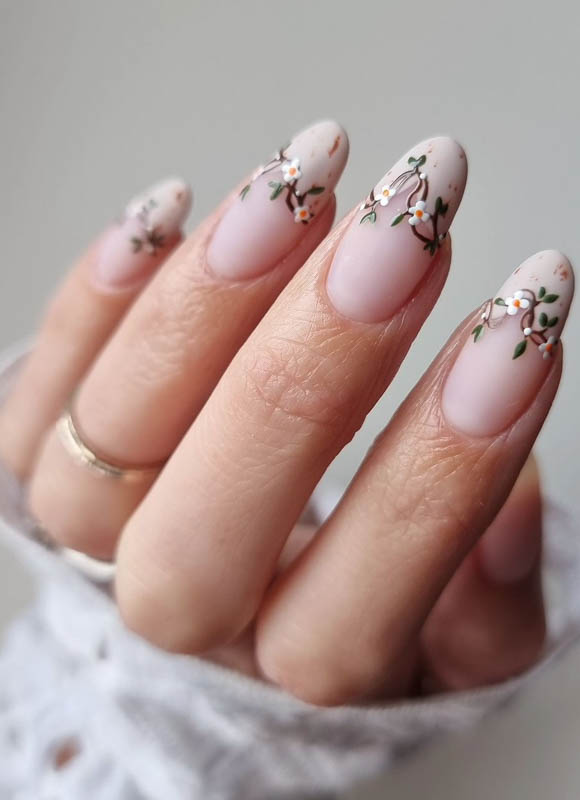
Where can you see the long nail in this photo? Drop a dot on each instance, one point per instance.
(394, 238)
(150, 228)
(511, 348)
(272, 211)
(511, 547)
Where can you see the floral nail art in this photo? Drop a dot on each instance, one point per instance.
(155, 216)
(151, 239)
(535, 325)
(416, 211)
(286, 185)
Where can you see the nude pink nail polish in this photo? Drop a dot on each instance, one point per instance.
(512, 545)
(391, 243)
(131, 251)
(273, 210)
(511, 348)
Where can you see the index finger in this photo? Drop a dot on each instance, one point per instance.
(342, 617)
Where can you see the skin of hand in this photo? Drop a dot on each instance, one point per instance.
(230, 367)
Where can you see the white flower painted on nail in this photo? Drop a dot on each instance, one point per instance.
(419, 213)
(385, 195)
(302, 214)
(546, 348)
(517, 303)
(291, 170)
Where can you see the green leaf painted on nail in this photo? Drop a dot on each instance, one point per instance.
(441, 207)
(136, 244)
(520, 349)
(315, 190)
(397, 219)
(370, 217)
(499, 301)
(431, 246)
(543, 319)
(245, 191)
(477, 332)
(415, 163)
(277, 189)
(550, 298)
(553, 321)
(541, 292)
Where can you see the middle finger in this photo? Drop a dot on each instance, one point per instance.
(158, 370)
(197, 555)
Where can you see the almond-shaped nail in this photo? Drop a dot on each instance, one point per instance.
(511, 348)
(272, 211)
(511, 548)
(397, 231)
(130, 251)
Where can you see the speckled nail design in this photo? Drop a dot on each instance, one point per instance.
(273, 210)
(393, 240)
(506, 359)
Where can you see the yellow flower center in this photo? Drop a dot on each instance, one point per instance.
(418, 213)
(292, 171)
(549, 346)
(386, 192)
(517, 303)
(302, 213)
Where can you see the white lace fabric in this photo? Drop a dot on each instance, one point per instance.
(89, 711)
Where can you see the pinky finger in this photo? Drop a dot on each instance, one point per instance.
(489, 623)
(84, 312)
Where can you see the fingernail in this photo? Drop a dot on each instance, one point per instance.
(511, 547)
(511, 348)
(273, 210)
(397, 231)
(151, 226)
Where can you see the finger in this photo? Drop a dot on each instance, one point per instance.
(290, 400)
(158, 370)
(355, 601)
(489, 623)
(84, 312)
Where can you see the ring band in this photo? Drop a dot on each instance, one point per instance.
(84, 455)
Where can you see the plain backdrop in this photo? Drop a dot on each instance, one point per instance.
(99, 99)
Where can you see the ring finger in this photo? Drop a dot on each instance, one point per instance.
(179, 336)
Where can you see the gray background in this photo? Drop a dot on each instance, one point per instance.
(99, 99)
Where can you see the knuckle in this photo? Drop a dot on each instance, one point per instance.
(296, 385)
(432, 477)
(173, 324)
(164, 332)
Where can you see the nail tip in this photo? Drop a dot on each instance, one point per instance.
(550, 266)
(333, 139)
(168, 200)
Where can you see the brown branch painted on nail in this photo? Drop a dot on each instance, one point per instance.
(422, 186)
(152, 238)
(538, 335)
(293, 198)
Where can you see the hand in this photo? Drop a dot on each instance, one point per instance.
(225, 386)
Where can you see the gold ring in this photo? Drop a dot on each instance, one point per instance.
(87, 457)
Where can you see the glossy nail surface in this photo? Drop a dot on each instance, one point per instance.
(130, 251)
(270, 215)
(393, 239)
(511, 348)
